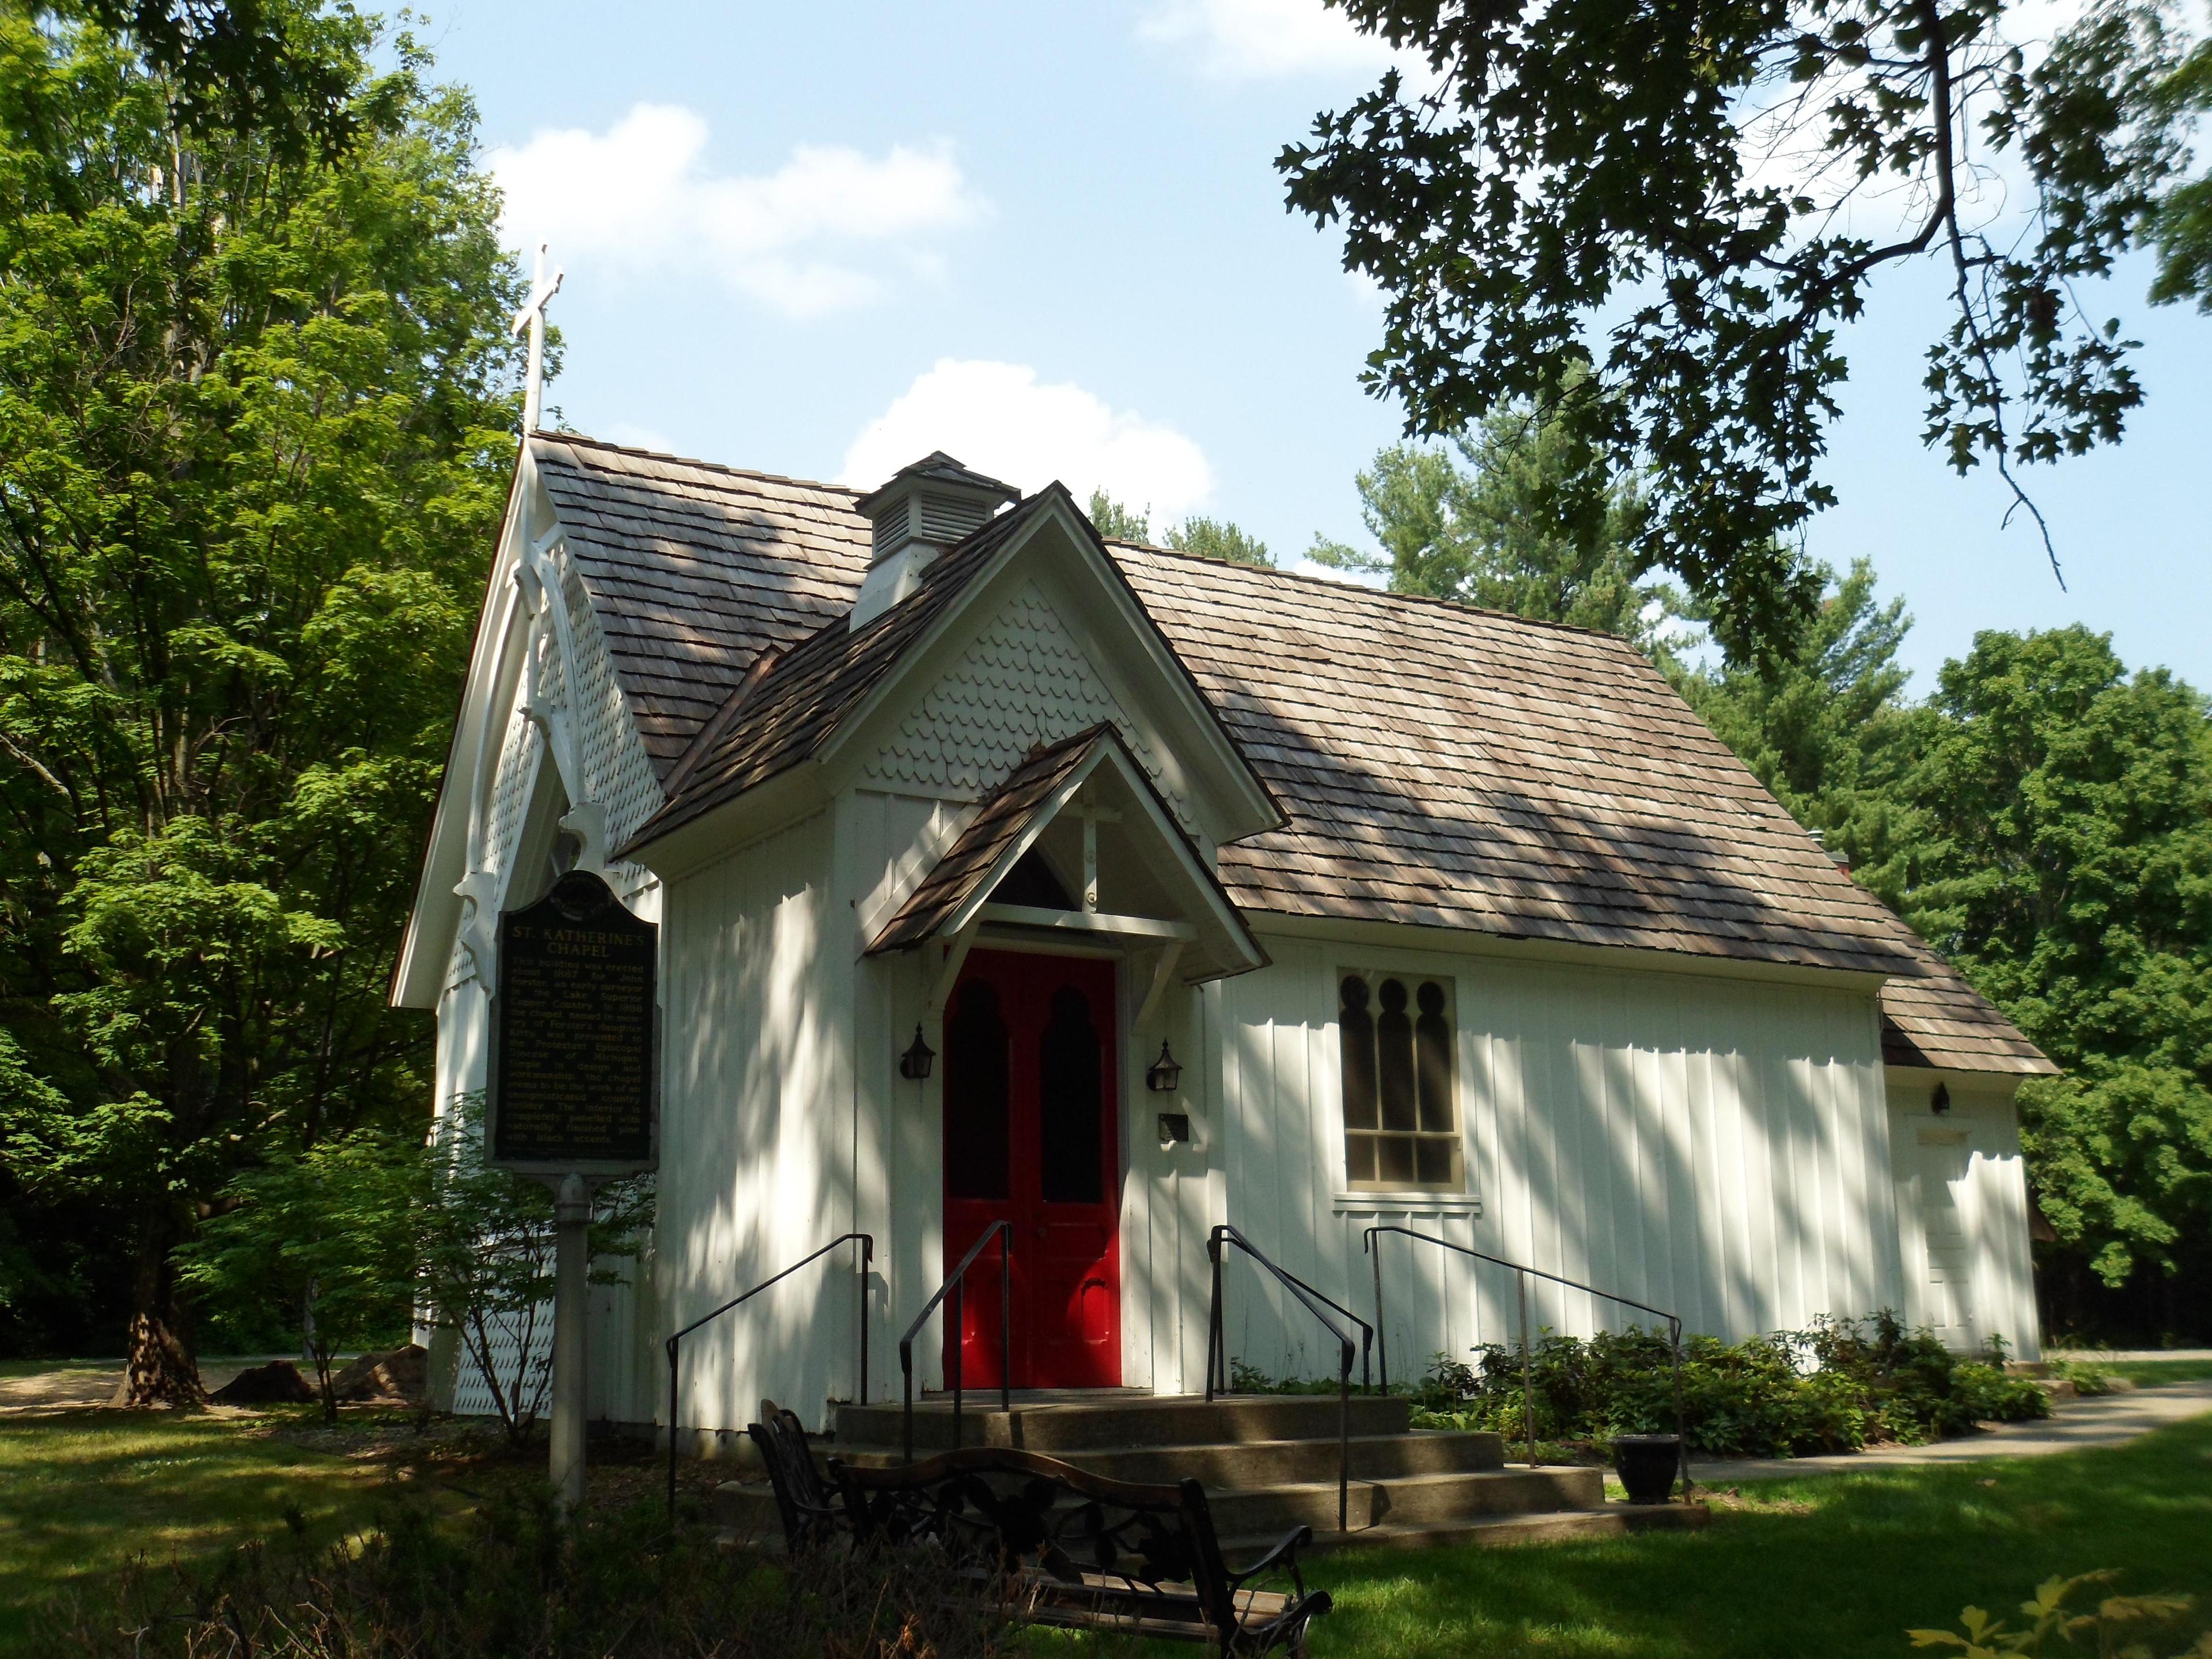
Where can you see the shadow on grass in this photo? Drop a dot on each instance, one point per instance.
(80, 1493)
(1837, 1565)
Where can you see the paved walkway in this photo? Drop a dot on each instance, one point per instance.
(2104, 1419)
(75, 1385)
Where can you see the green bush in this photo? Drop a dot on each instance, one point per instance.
(1833, 1387)
(2086, 1376)
(2117, 1628)
(512, 1583)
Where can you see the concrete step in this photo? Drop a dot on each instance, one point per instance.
(1489, 1531)
(1415, 1500)
(1259, 1463)
(1060, 1426)
(1253, 1462)
(1506, 1506)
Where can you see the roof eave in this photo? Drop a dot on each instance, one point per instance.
(418, 970)
(715, 831)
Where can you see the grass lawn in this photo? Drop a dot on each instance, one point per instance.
(82, 1492)
(2149, 1373)
(1836, 1566)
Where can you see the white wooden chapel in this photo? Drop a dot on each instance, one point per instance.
(1448, 918)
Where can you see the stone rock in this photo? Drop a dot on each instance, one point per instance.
(276, 1383)
(401, 1378)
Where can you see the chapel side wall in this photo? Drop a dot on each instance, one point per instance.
(755, 1131)
(2002, 1284)
(1715, 1146)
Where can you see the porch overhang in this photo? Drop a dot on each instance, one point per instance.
(1188, 907)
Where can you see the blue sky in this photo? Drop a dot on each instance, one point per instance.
(820, 240)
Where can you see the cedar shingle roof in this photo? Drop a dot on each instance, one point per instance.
(695, 570)
(1933, 1017)
(1546, 781)
(1438, 765)
(798, 700)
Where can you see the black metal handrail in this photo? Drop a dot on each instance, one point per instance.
(1217, 1349)
(956, 1282)
(1370, 1247)
(867, 1244)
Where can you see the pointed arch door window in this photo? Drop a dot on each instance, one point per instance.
(1395, 1034)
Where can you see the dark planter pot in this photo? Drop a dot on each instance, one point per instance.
(1647, 1465)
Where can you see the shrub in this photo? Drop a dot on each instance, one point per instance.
(1833, 1387)
(515, 1585)
(2117, 1627)
(2086, 1376)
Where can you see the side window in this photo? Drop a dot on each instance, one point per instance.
(1401, 1102)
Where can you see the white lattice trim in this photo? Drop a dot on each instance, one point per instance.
(617, 772)
(472, 1395)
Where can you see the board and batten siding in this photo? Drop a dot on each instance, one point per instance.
(1716, 1146)
(755, 1148)
(1988, 1202)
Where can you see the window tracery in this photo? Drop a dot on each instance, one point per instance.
(1401, 1104)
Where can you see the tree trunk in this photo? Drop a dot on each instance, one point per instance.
(161, 1369)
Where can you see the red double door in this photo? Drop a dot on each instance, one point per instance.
(1031, 1137)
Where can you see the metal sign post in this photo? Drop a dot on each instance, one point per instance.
(572, 1248)
(574, 1096)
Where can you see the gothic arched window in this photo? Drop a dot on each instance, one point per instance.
(1401, 1104)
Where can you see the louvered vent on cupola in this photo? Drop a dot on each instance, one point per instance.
(890, 528)
(924, 509)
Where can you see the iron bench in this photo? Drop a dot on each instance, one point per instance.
(1055, 1544)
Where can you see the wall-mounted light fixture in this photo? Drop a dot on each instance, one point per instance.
(1163, 1076)
(913, 1064)
(1940, 1102)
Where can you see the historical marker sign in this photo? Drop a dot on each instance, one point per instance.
(574, 1074)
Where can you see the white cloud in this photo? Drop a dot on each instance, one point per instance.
(825, 232)
(997, 418)
(1257, 39)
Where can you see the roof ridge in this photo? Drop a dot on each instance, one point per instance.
(710, 734)
(586, 438)
(1331, 584)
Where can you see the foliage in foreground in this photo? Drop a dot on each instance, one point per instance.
(511, 1585)
(2054, 1627)
(1682, 199)
(1834, 1387)
(364, 1230)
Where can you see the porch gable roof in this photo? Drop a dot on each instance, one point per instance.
(953, 892)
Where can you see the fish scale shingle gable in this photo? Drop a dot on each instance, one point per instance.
(1437, 765)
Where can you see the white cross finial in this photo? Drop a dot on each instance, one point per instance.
(532, 318)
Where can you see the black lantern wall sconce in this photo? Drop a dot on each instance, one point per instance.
(1940, 1102)
(914, 1063)
(1163, 1076)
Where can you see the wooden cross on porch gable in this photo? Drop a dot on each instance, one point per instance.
(532, 318)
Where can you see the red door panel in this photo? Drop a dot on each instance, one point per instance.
(1031, 1137)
